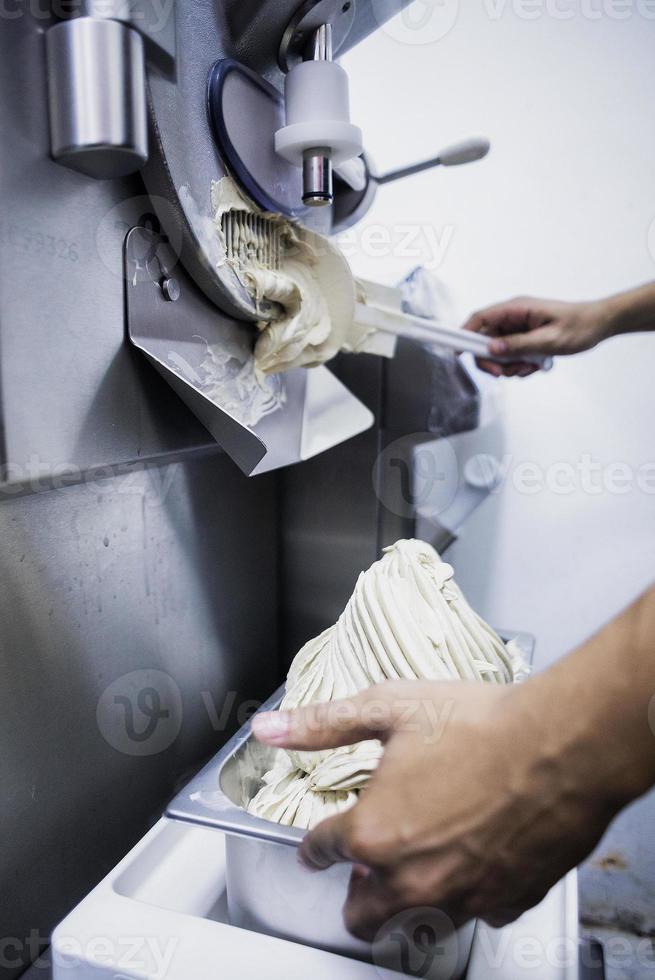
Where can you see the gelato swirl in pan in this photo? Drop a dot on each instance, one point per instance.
(406, 619)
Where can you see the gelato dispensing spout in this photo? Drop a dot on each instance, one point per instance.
(316, 166)
(318, 134)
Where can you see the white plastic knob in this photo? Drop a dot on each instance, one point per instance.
(466, 151)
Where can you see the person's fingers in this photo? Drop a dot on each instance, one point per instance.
(527, 370)
(521, 369)
(542, 340)
(371, 714)
(499, 917)
(370, 903)
(489, 367)
(360, 835)
(376, 898)
(516, 901)
(318, 726)
(511, 370)
(328, 843)
(505, 317)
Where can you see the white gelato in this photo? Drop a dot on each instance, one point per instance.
(302, 275)
(406, 619)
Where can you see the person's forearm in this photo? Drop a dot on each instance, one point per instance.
(632, 311)
(597, 703)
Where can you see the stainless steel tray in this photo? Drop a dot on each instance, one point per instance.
(268, 889)
(216, 797)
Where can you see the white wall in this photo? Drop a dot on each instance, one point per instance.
(562, 207)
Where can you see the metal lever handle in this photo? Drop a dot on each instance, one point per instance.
(466, 151)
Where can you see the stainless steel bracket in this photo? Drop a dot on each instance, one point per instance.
(207, 359)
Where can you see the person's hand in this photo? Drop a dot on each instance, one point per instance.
(526, 326)
(474, 809)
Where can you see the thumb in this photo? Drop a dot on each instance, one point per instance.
(370, 714)
(542, 340)
(328, 843)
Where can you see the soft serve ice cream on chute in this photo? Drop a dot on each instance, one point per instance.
(406, 619)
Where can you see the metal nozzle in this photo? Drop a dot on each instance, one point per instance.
(317, 190)
(317, 177)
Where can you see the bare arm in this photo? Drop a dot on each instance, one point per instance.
(486, 795)
(536, 326)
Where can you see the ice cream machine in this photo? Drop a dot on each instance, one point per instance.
(163, 167)
(237, 118)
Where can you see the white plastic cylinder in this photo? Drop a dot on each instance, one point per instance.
(318, 114)
(317, 90)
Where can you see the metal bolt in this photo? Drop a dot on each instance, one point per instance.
(317, 178)
(170, 288)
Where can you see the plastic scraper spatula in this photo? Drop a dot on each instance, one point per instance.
(379, 320)
(368, 317)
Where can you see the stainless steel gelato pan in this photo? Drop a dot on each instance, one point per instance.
(271, 892)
